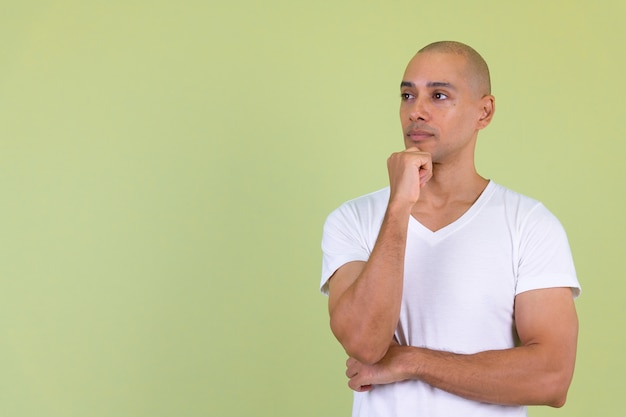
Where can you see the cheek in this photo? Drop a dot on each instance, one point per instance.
(405, 119)
(462, 120)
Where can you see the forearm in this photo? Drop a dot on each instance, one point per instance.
(539, 371)
(526, 375)
(364, 304)
(365, 316)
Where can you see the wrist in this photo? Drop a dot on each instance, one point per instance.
(399, 208)
(409, 363)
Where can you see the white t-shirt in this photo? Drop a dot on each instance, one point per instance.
(460, 285)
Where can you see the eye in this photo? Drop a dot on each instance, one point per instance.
(406, 96)
(440, 96)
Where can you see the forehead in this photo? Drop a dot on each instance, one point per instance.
(427, 68)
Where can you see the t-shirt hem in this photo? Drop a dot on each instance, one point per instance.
(539, 283)
(338, 263)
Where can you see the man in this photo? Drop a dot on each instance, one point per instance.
(452, 295)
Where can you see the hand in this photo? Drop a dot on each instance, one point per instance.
(363, 377)
(408, 170)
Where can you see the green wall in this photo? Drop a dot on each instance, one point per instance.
(166, 167)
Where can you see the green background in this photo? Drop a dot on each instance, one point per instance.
(166, 168)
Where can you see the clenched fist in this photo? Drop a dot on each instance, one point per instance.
(408, 170)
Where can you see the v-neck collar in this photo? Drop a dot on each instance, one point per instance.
(440, 234)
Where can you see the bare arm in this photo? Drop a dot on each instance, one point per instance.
(537, 372)
(364, 297)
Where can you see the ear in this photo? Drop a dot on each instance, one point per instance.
(488, 108)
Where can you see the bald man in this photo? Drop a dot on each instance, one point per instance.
(451, 294)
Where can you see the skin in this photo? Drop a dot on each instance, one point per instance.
(434, 179)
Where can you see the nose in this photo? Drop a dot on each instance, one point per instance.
(419, 110)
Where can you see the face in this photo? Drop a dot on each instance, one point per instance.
(440, 111)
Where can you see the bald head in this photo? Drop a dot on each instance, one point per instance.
(476, 67)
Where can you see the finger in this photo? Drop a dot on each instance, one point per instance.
(352, 368)
(426, 172)
(355, 386)
(425, 175)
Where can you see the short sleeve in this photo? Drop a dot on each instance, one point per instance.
(342, 242)
(545, 258)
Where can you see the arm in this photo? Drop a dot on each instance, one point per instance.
(539, 371)
(364, 297)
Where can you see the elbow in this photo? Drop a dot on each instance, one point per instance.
(557, 400)
(551, 381)
(366, 354)
(556, 391)
(559, 396)
(362, 346)
(558, 403)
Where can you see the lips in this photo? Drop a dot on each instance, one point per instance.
(419, 134)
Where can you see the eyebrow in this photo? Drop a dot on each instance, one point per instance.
(430, 84)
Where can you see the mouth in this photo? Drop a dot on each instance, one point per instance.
(419, 134)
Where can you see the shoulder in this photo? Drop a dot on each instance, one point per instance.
(367, 207)
(519, 207)
(513, 198)
(359, 218)
(532, 224)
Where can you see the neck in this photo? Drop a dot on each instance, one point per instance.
(446, 196)
(453, 182)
